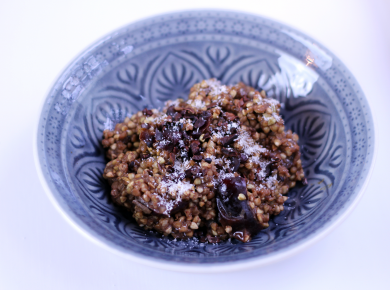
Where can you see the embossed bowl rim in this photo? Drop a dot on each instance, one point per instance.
(194, 268)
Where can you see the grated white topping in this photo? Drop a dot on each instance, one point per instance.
(273, 103)
(196, 104)
(223, 175)
(172, 103)
(157, 120)
(271, 181)
(185, 121)
(216, 87)
(225, 163)
(249, 145)
(232, 125)
(175, 191)
(181, 167)
(263, 165)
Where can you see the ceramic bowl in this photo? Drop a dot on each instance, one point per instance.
(146, 63)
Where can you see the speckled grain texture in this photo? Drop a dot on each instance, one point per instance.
(214, 167)
(143, 65)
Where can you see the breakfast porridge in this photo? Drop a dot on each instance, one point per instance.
(216, 166)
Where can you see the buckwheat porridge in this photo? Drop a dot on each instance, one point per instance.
(214, 167)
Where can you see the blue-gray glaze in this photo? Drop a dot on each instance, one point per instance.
(149, 62)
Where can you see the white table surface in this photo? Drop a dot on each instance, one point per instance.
(40, 250)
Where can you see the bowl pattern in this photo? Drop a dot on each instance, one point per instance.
(151, 61)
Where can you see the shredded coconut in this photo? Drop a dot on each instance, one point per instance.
(262, 164)
(216, 87)
(249, 145)
(217, 161)
(224, 175)
(226, 163)
(220, 132)
(271, 181)
(232, 125)
(267, 117)
(196, 103)
(181, 167)
(159, 119)
(273, 104)
(175, 190)
(162, 143)
(217, 134)
(185, 121)
(171, 103)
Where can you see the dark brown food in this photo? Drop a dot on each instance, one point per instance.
(214, 167)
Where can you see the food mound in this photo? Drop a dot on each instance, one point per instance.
(214, 167)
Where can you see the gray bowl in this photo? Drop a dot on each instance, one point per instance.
(151, 61)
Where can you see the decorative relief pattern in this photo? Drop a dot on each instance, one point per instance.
(171, 76)
(131, 76)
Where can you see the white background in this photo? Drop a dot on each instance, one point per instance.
(40, 250)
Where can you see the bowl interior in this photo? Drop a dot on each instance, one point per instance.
(155, 60)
